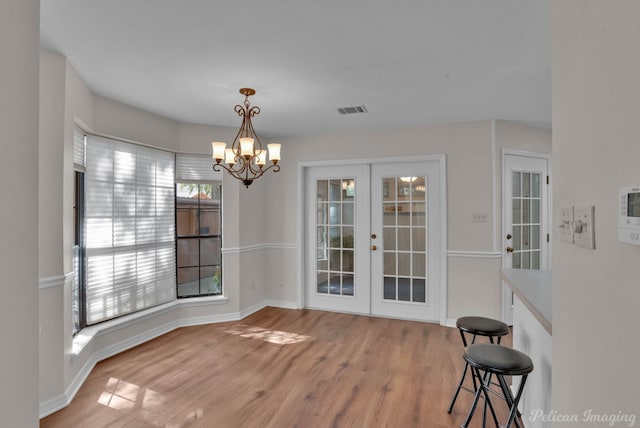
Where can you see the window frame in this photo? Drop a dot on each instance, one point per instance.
(199, 236)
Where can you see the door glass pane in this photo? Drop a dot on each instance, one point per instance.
(535, 260)
(322, 282)
(525, 260)
(526, 184)
(516, 216)
(516, 260)
(335, 190)
(389, 238)
(389, 214)
(335, 213)
(388, 189)
(404, 289)
(389, 288)
(404, 238)
(335, 230)
(404, 264)
(535, 237)
(526, 238)
(516, 238)
(347, 213)
(389, 263)
(526, 220)
(419, 290)
(321, 243)
(417, 214)
(322, 190)
(419, 263)
(419, 235)
(347, 236)
(418, 189)
(515, 184)
(347, 261)
(535, 185)
(535, 211)
(347, 284)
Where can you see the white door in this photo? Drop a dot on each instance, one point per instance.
(406, 225)
(373, 239)
(525, 237)
(337, 238)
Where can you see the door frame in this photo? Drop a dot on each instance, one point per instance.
(301, 214)
(505, 290)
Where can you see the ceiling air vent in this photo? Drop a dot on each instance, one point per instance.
(352, 110)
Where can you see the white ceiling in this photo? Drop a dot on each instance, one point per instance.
(410, 62)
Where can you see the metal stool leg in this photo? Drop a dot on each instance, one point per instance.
(516, 400)
(506, 392)
(483, 389)
(473, 408)
(464, 372)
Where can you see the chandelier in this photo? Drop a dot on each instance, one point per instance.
(246, 159)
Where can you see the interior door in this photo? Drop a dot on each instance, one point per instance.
(405, 240)
(373, 239)
(525, 214)
(337, 238)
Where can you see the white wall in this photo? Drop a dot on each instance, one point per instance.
(596, 150)
(19, 53)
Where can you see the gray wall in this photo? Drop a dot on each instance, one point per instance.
(596, 150)
(19, 53)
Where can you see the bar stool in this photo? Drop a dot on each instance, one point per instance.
(488, 359)
(476, 326)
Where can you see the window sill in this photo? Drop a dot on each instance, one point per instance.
(87, 334)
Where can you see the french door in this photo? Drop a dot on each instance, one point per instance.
(373, 239)
(525, 214)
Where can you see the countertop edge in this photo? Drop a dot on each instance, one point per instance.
(546, 324)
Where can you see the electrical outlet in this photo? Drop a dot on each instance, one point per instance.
(566, 225)
(584, 226)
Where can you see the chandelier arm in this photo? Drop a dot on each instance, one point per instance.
(260, 172)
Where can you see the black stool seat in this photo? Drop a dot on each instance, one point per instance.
(482, 326)
(476, 326)
(498, 359)
(487, 360)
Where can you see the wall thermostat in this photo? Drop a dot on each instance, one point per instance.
(629, 215)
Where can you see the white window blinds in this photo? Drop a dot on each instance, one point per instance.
(196, 168)
(129, 228)
(78, 148)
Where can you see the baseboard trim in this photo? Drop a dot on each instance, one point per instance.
(450, 322)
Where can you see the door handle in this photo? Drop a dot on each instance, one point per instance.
(373, 247)
(509, 249)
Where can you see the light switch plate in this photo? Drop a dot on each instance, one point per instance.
(566, 225)
(584, 226)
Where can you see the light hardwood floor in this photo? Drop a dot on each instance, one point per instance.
(280, 368)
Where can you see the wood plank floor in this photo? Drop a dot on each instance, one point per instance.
(280, 368)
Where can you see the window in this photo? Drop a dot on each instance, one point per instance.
(198, 227)
(199, 238)
(77, 286)
(129, 228)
